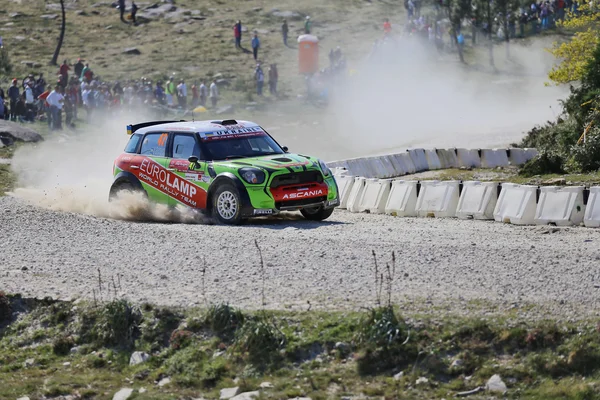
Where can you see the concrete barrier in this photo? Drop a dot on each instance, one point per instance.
(385, 168)
(396, 164)
(339, 171)
(433, 161)
(353, 204)
(344, 184)
(530, 153)
(448, 158)
(438, 199)
(492, 158)
(516, 204)
(517, 156)
(407, 163)
(477, 200)
(561, 206)
(402, 199)
(468, 158)
(592, 210)
(419, 160)
(375, 195)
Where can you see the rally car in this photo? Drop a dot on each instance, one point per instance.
(230, 169)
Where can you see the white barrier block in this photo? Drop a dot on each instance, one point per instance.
(591, 218)
(437, 199)
(433, 161)
(358, 167)
(344, 184)
(468, 158)
(402, 199)
(477, 200)
(448, 158)
(385, 168)
(517, 156)
(407, 164)
(375, 195)
(419, 160)
(353, 204)
(396, 165)
(492, 158)
(516, 204)
(561, 206)
(339, 171)
(530, 153)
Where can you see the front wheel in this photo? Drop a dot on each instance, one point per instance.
(316, 213)
(227, 205)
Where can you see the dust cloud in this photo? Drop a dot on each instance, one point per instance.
(407, 95)
(73, 173)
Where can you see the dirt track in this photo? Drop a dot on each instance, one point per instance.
(46, 253)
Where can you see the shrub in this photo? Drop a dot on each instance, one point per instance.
(62, 345)
(5, 308)
(544, 163)
(190, 367)
(180, 339)
(260, 339)
(586, 156)
(119, 324)
(381, 328)
(224, 320)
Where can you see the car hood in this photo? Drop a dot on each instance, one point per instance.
(276, 162)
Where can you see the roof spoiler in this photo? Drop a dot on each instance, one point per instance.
(132, 128)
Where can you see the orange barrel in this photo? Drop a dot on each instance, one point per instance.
(308, 54)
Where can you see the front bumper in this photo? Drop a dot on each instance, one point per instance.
(257, 212)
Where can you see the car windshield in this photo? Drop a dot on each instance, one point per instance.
(241, 146)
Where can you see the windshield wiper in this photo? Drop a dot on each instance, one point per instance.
(232, 157)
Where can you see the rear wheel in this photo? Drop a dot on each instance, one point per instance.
(122, 187)
(316, 213)
(227, 205)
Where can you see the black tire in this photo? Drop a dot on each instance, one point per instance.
(227, 205)
(115, 189)
(316, 214)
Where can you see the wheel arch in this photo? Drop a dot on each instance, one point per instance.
(227, 178)
(129, 178)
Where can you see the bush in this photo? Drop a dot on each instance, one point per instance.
(544, 163)
(62, 345)
(586, 156)
(119, 324)
(5, 308)
(260, 339)
(381, 328)
(180, 339)
(224, 320)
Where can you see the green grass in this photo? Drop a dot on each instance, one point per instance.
(7, 179)
(537, 360)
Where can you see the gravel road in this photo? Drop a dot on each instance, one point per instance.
(443, 263)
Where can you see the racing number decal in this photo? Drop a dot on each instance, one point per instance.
(162, 140)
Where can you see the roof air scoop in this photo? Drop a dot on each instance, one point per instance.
(229, 122)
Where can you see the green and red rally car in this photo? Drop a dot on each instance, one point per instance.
(230, 169)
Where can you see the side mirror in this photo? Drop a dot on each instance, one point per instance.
(285, 149)
(193, 159)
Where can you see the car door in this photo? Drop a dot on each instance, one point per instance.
(150, 165)
(190, 182)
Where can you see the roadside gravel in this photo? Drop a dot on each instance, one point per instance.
(446, 264)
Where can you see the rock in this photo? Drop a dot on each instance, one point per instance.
(457, 363)
(421, 381)
(225, 109)
(29, 362)
(132, 50)
(16, 132)
(399, 375)
(49, 16)
(66, 364)
(228, 393)
(293, 15)
(19, 38)
(266, 385)
(164, 381)
(342, 347)
(24, 268)
(246, 396)
(15, 15)
(138, 357)
(123, 394)
(495, 384)
(75, 350)
(81, 13)
(142, 390)
(56, 6)
(23, 398)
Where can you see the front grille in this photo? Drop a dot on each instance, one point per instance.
(300, 203)
(297, 178)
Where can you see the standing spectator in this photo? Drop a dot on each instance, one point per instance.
(20, 109)
(255, 45)
(387, 27)
(273, 78)
(203, 94)
(195, 94)
(2, 109)
(13, 95)
(307, 25)
(260, 79)
(69, 108)
(159, 93)
(284, 31)
(64, 73)
(40, 86)
(170, 91)
(122, 10)
(134, 9)
(55, 101)
(78, 68)
(214, 93)
(237, 34)
(182, 94)
(29, 102)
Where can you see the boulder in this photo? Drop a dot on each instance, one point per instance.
(31, 64)
(14, 132)
(49, 16)
(247, 396)
(495, 384)
(164, 381)
(228, 393)
(138, 357)
(132, 50)
(292, 15)
(123, 394)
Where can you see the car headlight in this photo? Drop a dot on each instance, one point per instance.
(253, 176)
(324, 168)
